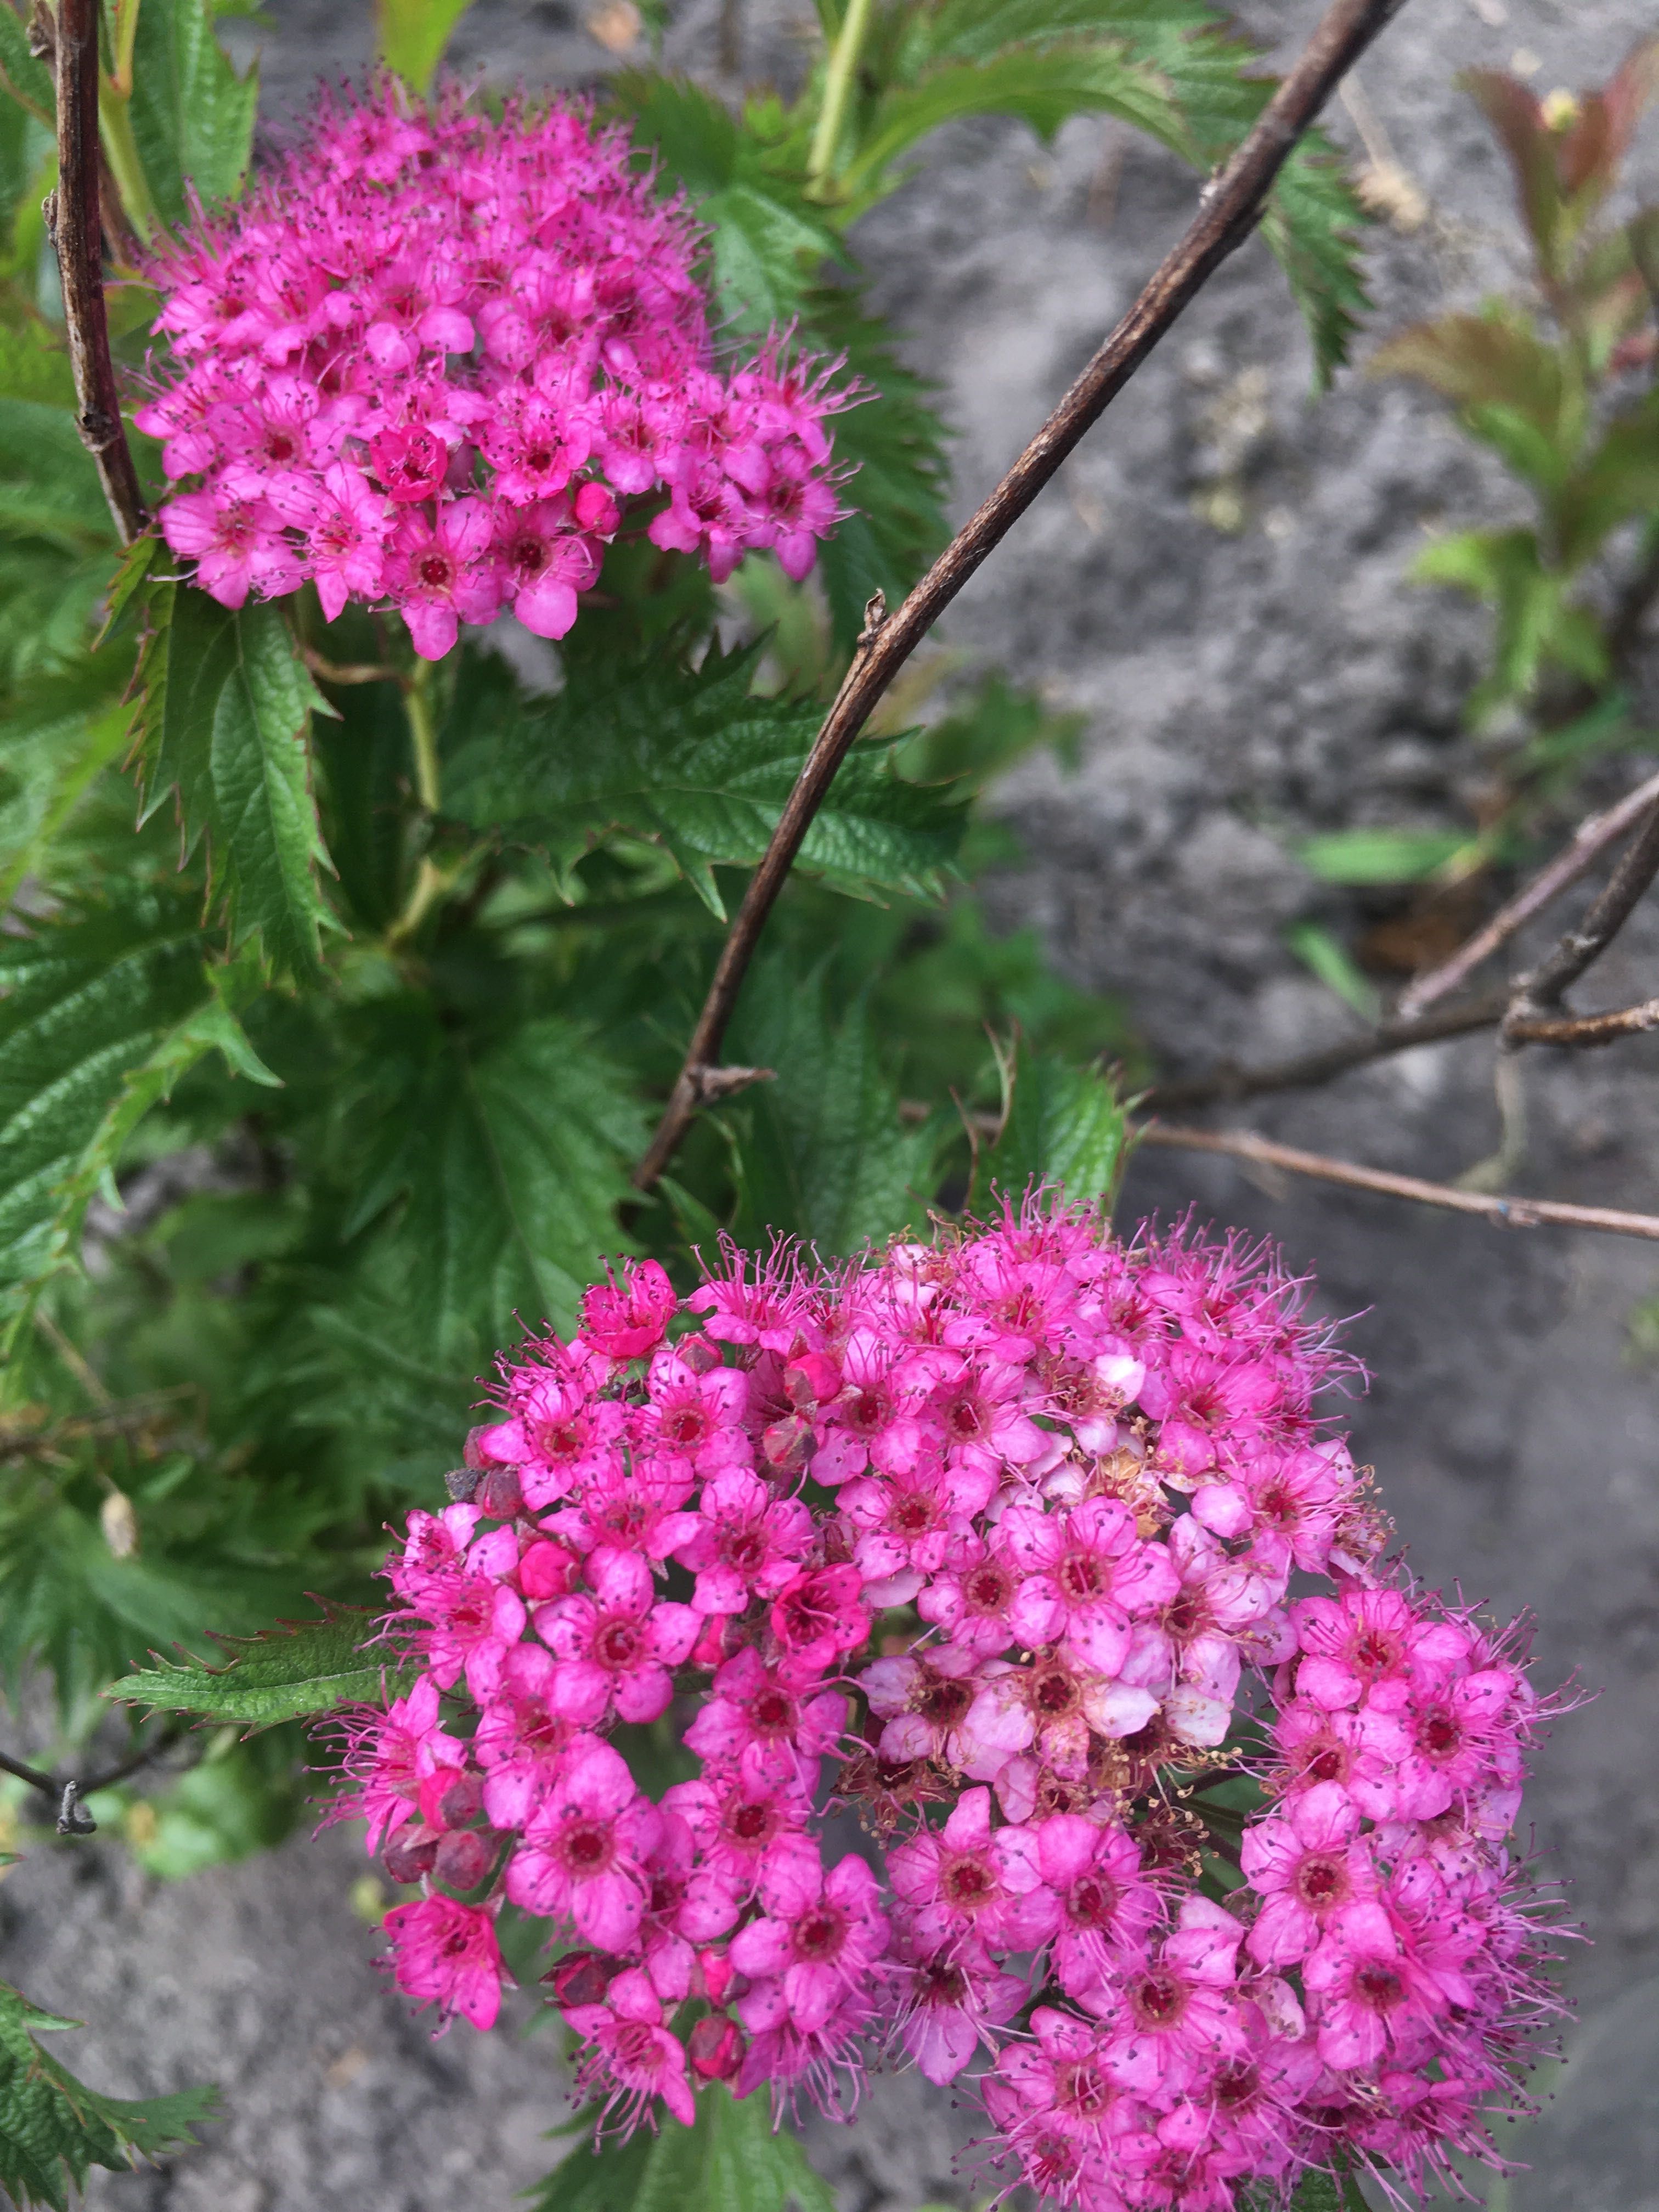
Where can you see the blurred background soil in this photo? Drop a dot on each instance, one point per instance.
(1217, 582)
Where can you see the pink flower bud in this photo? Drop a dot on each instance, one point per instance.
(715, 2045)
(408, 1856)
(410, 464)
(580, 1977)
(463, 1858)
(498, 1494)
(548, 1570)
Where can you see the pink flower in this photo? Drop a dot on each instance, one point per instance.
(1178, 2013)
(628, 1318)
(389, 1755)
(955, 1995)
(586, 1849)
(1086, 1576)
(823, 1937)
(630, 2047)
(749, 1543)
(346, 529)
(1094, 1900)
(818, 1616)
(444, 1953)
(236, 543)
(614, 1648)
(442, 573)
(964, 1879)
(1306, 1865)
(760, 1723)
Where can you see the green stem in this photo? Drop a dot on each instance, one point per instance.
(837, 92)
(424, 733)
(121, 152)
(431, 882)
(126, 39)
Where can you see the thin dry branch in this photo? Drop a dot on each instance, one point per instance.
(1228, 1083)
(1230, 206)
(77, 235)
(1588, 841)
(1538, 992)
(1503, 1212)
(1582, 1028)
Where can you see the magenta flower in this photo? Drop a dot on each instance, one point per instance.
(615, 1649)
(586, 1849)
(1305, 1867)
(823, 1938)
(444, 573)
(1090, 1597)
(444, 1953)
(461, 311)
(631, 2051)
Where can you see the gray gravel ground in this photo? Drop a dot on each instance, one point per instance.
(1242, 685)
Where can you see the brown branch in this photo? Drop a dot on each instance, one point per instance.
(1506, 1212)
(1588, 841)
(1229, 207)
(1539, 991)
(77, 235)
(1582, 1028)
(66, 1791)
(1228, 1082)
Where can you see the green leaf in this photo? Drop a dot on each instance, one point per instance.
(295, 1669)
(767, 240)
(1326, 957)
(820, 1151)
(54, 2130)
(1538, 625)
(736, 2159)
(687, 759)
(412, 35)
(224, 722)
(894, 442)
(102, 1014)
(56, 738)
(496, 1169)
(1041, 86)
(48, 486)
(1381, 856)
(1061, 1125)
(192, 116)
(239, 1799)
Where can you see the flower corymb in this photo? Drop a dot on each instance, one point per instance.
(442, 361)
(1199, 1874)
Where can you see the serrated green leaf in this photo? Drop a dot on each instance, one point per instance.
(735, 2158)
(192, 116)
(295, 1669)
(767, 240)
(48, 486)
(687, 759)
(894, 443)
(1041, 86)
(496, 1168)
(102, 1014)
(54, 2130)
(55, 737)
(820, 1151)
(411, 35)
(1061, 1125)
(225, 721)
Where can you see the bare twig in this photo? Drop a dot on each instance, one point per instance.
(1505, 1212)
(1582, 1028)
(66, 1791)
(77, 233)
(1538, 992)
(1590, 840)
(1229, 207)
(1228, 1082)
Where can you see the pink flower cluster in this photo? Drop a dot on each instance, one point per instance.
(993, 1541)
(443, 360)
